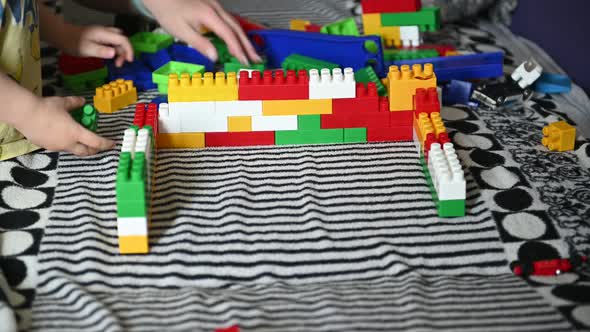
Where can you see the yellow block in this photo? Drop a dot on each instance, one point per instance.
(239, 123)
(114, 96)
(133, 244)
(372, 26)
(559, 136)
(298, 25)
(297, 107)
(425, 125)
(181, 141)
(199, 87)
(403, 83)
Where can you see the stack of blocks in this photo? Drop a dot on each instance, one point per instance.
(399, 22)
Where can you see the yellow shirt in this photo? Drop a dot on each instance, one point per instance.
(20, 59)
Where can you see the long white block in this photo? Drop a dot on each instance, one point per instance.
(168, 124)
(410, 36)
(129, 226)
(446, 172)
(334, 85)
(198, 117)
(274, 122)
(239, 108)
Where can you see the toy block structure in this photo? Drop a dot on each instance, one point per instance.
(274, 85)
(87, 117)
(403, 83)
(559, 136)
(113, 96)
(202, 87)
(333, 84)
(301, 62)
(384, 6)
(162, 75)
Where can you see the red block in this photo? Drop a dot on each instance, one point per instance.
(72, 65)
(240, 139)
(367, 100)
(248, 25)
(390, 134)
(426, 101)
(401, 118)
(234, 328)
(443, 138)
(390, 6)
(146, 115)
(274, 87)
(313, 28)
(442, 49)
(430, 139)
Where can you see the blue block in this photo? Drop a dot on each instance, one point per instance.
(136, 71)
(457, 92)
(346, 51)
(553, 83)
(183, 53)
(156, 60)
(463, 67)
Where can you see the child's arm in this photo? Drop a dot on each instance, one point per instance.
(184, 19)
(90, 41)
(46, 122)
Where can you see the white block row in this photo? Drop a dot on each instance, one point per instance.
(410, 36)
(137, 142)
(446, 172)
(332, 85)
(132, 226)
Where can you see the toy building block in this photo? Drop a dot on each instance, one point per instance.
(408, 54)
(156, 60)
(298, 24)
(426, 101)
(300, 62)
(319, 136)
(346, 27)
(403, 83)
(367, 75)
(446, 172)
(199, 87)
(149, 42)
(274, 122)
(239, 123)
(223, 54)
(559, 136)
(181, 140)
(87, 117)
(384, 6)
(196, 117)
(85, 81)
(428, 124)
(162, 74)
(240, 139)
(274, 87)
(248, 25)
(313, 28)
(401, 118)
(297, 107)
(233, 328)
(410, 36)
(168, 123)
(347, 51)
(361, 111)
(135, 71)
(457, 92)
(114, 96)
(389, 134)
(355, 135)
(234, 65)
(146, 116)
(239, 108)
(553, 83)
(527, 73)
(335, 85)
(183, 53)
(442, 49)
(372, 26)
(427, 19)
(73, 65)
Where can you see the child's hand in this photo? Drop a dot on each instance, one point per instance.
(184, 19)
(49, 125)
(100, 42)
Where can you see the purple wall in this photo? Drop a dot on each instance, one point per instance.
(562, 29)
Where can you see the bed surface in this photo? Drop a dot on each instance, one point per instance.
(309, 238)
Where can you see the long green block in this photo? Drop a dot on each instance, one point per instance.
(131, 177)
(427, 19)
(149, 42)
(324, 136)
(309, 122)
(160, 76)
(301, 62)
(85, 81)
(366, 75)
(400, 55)
(355, 135)
(233, 65)
(446, 208)
(345, 27)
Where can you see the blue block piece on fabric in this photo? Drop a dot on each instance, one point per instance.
(183, 53)
(160, 100)
(553, 83)
(346, 51)
(463, 67)
(457, 92)
(156, 60)
(136, 71)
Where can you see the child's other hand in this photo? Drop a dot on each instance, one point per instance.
(184, 19)
(49, 125)
(101, 42)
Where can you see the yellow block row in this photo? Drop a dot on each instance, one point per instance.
(203, 87)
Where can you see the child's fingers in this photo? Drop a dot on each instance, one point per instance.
(108, 36)
(72, 103)
(196, 40)
(215, 23)
(93, 141)
(79, 150)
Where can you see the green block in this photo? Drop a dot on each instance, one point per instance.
(87, 116)
(300, 62)
(345, 27)
(160, 76)
(309, 122)
(131, 177)
(223, 54)
(355, 135)
(85, 81)
(366, 75)
(294, 137)
(427, 19)
(233, 65)
(400, 55)
(451, 208)
(132, 209)
(149, 42)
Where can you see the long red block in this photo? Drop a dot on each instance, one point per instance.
(401, 118)
(274, 87)
(367, 100)
(390, 6)
(73, 65)
(389, 134)
(313, 28)
(426, 101)
(146, 115)
(240, 138)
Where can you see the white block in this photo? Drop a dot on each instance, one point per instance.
(129, 138)
(198, 117)
(143, 142)
(335, 85)
(410, 36)
(129, 226)
(239, 108)
(446, 172)
(527, 73)
(274, 122)
(167, 124)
